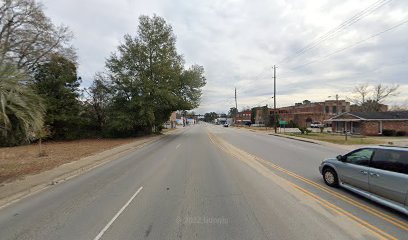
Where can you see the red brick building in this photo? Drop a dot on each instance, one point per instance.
(370, 123)
(243, 117)
(303, 114)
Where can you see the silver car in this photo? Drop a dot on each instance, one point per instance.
(379, 173)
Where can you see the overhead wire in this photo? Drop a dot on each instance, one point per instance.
(333, 32)
(255, 105)
(352, 45)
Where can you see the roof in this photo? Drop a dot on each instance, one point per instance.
(381, 115)
(388, 147)
(357, 116)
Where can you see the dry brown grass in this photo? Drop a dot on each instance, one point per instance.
(16, 162)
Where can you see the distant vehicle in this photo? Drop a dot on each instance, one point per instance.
(226, 125)
(248, 123)
(316, 125)
(379, 173)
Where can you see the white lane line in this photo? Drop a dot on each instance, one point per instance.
(117, 215)
(178, 145)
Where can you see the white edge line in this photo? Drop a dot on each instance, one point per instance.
(117, 215)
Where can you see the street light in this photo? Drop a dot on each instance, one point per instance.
(337, 102)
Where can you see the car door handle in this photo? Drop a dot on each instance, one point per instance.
(374, 174)
(364, 172)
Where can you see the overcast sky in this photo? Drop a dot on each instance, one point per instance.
(238, 42)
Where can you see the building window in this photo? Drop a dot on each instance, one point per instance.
(327, 109)
(335, 109)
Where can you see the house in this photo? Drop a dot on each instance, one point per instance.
(370, 123)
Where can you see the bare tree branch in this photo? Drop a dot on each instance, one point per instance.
(381, 92)
(28, 37)
(370, 98)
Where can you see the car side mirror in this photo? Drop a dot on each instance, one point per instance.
(340, 158)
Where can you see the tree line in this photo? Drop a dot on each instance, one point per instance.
(145, 79)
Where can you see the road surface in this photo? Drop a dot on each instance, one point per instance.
(205, 182)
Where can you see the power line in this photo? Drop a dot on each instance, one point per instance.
(228, 100)
(352, 45)
(333, 32)
(378, 69)
(257, 77)
(390, 64)
(255, 105)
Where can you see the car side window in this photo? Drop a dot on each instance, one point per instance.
(390, 160)
(360, 157)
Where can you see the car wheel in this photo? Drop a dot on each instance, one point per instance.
(330, 177)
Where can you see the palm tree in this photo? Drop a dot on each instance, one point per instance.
(21, 109)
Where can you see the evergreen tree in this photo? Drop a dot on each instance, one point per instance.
(149, 80)
(57, 82)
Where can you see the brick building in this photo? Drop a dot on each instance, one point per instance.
(243, 117)
(303, 114)
(259, 119)
(370, 123)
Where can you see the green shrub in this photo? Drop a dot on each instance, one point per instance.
(304, 130)
(291, 124)
(401, 133)
(321, 129)
(389, 132)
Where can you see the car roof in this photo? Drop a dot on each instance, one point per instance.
(388, 147)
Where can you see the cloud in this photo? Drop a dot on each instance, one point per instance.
(239, 41)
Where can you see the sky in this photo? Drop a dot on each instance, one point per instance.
(320, 48)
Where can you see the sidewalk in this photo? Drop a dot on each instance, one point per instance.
(16, 190)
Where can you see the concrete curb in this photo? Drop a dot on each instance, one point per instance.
(295, 138)
(283, 136)
(31, 184)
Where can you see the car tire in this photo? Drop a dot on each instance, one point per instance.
(330, 177)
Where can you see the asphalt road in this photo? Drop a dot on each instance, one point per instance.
(206, 182)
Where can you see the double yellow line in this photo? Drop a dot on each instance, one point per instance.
(374, 230)
(401, 224)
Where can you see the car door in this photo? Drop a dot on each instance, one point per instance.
(353, 170)
(388, 176)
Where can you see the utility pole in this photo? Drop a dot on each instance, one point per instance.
(274, 99)
(236, 107)
(337, 104)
